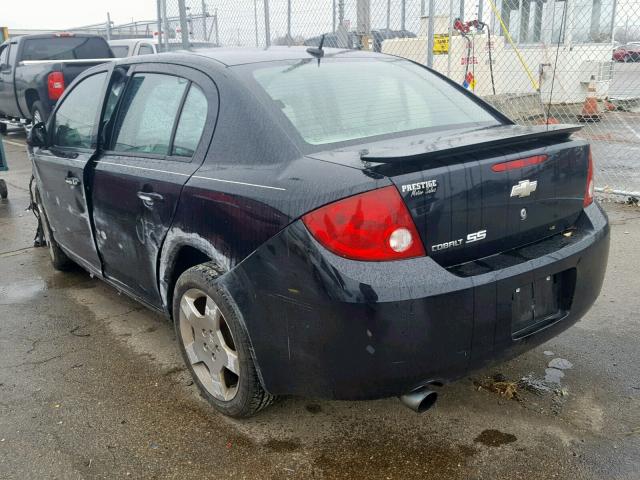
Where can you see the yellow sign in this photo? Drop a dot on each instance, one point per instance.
(441, 44)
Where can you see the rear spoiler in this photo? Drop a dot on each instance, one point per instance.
(74, 61)
(399, 151)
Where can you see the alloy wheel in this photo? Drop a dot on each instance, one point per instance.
(209, 345)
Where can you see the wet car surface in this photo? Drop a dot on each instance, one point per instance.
(92, 386)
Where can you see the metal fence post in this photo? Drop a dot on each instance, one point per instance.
(388, 14)
(108, 27)
(267, 24)
(184, 26)
(403, 15)
(288, 22)
(165, 22)
(333, 16)
(204, 21)
(215, 25)
(159, 20)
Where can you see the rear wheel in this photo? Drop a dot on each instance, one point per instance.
(215, 345)
(59, 259)
(3, 128)
(37, 112)
(4, 193)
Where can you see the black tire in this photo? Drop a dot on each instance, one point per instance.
(59, 259)
(250, 397)
(3, 128)
(4, 193)
(37, 113)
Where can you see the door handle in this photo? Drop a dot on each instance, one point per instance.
(73, 181)
(150, 197)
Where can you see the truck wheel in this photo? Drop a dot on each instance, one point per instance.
(3, 128)
(4, 193)
(59, 259)
(215, 345)
(37, 113)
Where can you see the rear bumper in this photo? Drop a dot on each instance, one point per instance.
(323, 326)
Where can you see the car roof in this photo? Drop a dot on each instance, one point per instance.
(242, 55)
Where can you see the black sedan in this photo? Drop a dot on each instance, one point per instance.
(324, 223)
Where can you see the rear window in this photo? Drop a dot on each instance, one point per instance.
(65, 48)
(348, 99)
(120, 51)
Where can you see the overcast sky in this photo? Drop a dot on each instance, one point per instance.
(61, 14)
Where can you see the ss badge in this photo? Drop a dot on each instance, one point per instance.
(523, 214)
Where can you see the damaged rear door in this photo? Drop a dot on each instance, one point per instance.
(157, 126)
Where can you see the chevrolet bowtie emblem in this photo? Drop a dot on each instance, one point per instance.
(524, 188)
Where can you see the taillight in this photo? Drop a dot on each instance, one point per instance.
(55, 84)
(371, 226)
(590, 191)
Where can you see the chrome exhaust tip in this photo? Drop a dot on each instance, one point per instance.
(419, 400)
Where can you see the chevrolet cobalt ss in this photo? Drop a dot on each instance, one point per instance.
(325, 223)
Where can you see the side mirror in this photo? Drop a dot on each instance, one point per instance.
(37, 136)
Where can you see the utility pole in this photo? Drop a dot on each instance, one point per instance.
(430, 28)
(363, 12)
(204, 21)
(267, 24)
(184, 26)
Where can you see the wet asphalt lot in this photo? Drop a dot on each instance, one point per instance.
(92, 386)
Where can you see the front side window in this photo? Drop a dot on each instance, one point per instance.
(191, 124)
(75, 119)
(147, 113)
(120, 51)
(354, 98)
(4, 54)
(145, 49)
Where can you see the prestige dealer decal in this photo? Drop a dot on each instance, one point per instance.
(420, 188)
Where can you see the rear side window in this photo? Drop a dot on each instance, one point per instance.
(120, 51)
(75, 119)
(191, 124)
(147, 113)
(65, 48)
(348, 99)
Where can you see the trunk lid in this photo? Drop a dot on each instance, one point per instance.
(465, 206)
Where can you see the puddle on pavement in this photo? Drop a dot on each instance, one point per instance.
(494, 438)
(553, 375)
(22, 291)
(27, 290)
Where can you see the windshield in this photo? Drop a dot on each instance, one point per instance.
(120, 51)
(65, 48)
(348, 99)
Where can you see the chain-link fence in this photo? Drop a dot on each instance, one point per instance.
(556, 61)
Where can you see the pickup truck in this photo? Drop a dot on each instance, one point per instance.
(35, 69)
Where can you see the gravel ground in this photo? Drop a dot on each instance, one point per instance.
(91, 386)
